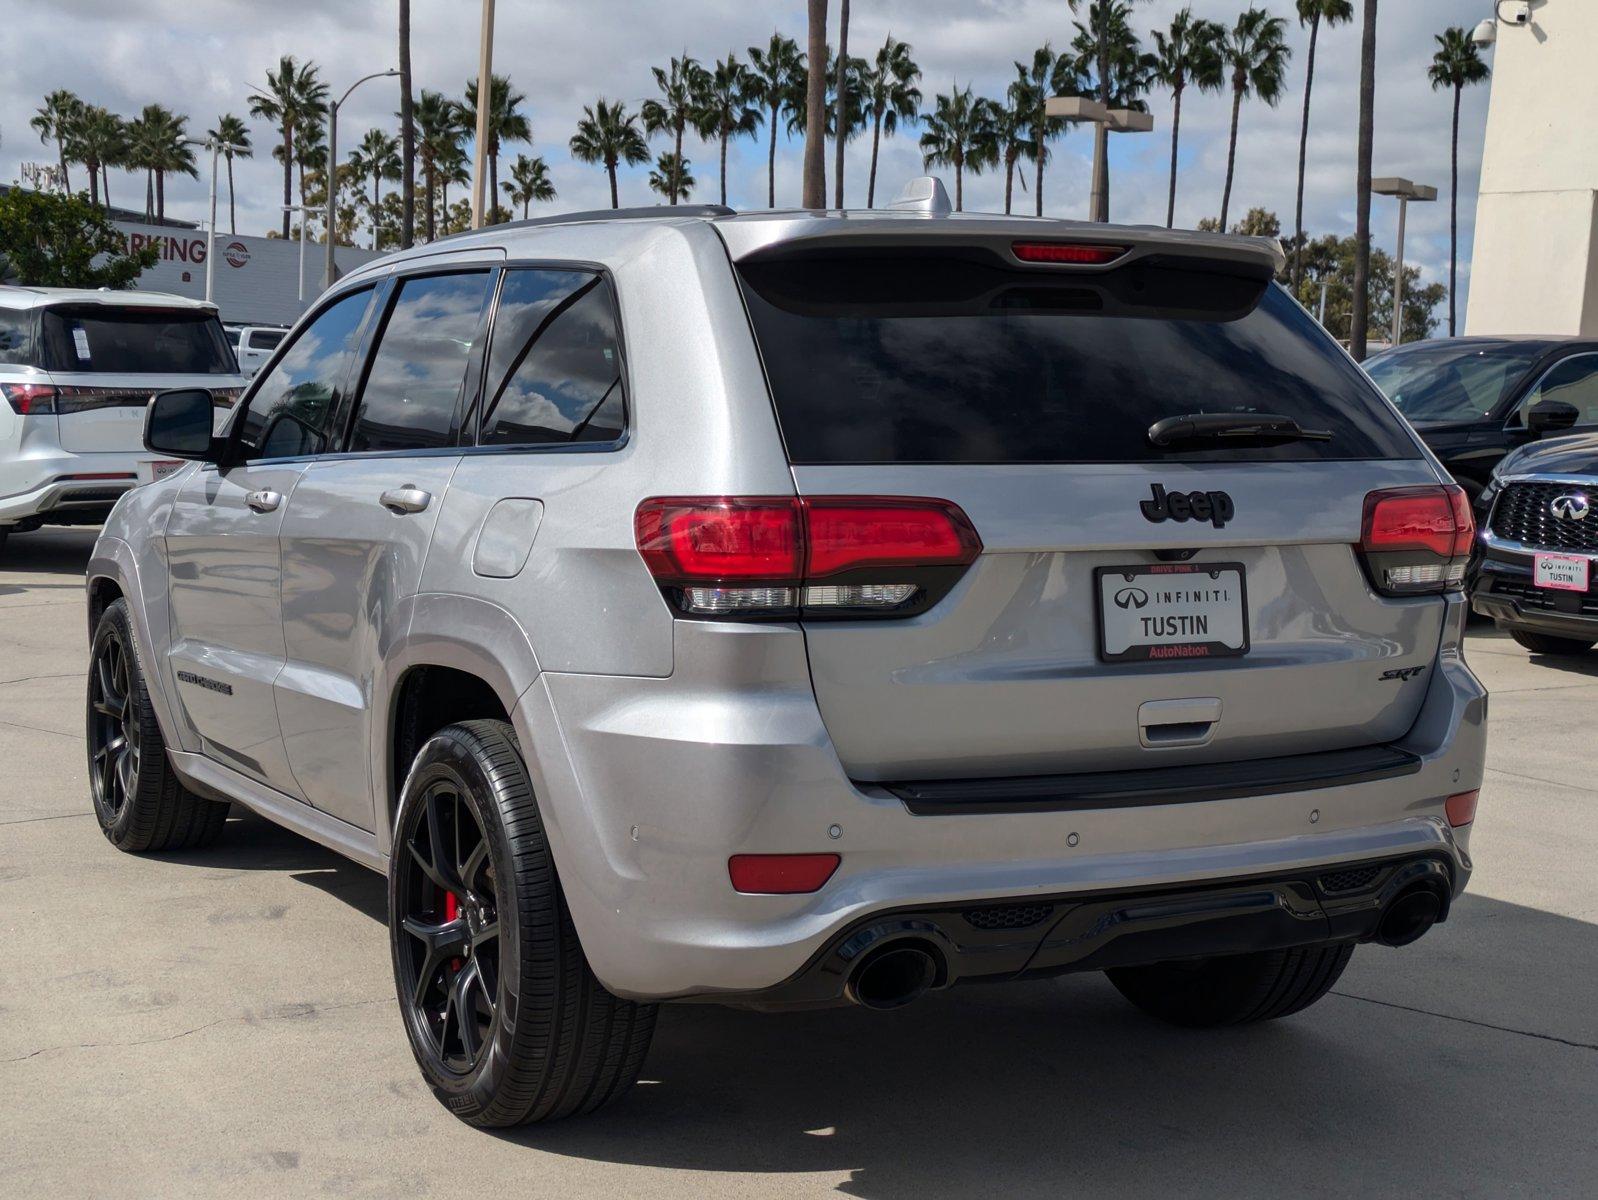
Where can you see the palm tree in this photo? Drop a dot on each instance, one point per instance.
(1359, 309)
(856, 114)
(1311, 13)
(439, 130)
(231, 137)
(776, 81)
(53, 121)
(1048, 74)
(891, 96)
(681, 87)
(727, 108)
(609, 134)
(158, 142)
(529, 181)
(407, 132)
(506, 123)
(138, 154)
(377, 158)
(293, 96)
(671, 177)
(815, 162)
(1457, 65)
(98, 138)
(959, 134)
(1012, 131)
(1189, 53)
(1103, 18)
(1256, 54)
(841, 119)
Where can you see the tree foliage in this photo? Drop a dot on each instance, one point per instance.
(64, 241)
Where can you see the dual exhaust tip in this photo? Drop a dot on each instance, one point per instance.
(901, 972)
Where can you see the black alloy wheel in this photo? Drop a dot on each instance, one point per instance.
(114, 732)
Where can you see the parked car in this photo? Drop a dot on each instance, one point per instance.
(253, 345)
(76, 370)
(798, 609)
(1474, 399)
(1534, 577)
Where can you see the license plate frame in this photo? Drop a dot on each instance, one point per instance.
(1562, 572)
(152, 469)
(1176, 650)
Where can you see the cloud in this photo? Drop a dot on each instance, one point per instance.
(204, 60)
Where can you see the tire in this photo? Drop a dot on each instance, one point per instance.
(1235, 989)
(1543, 643)
(138, 800)
(485, 934)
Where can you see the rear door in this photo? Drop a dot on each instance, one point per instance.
(108, 359)
(1134, 605)
(358, 529)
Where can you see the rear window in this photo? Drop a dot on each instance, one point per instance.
(135, 341)
(958, 359)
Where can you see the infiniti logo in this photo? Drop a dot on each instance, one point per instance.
(1573, 507)
(1131, 598)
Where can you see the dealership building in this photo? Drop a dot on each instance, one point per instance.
(256, 280)
(1534, 268)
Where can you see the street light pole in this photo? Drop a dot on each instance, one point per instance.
(485, 102)
(1405, 190)
(329, 272)
(210, 232)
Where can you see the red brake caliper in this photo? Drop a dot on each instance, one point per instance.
(452, 909)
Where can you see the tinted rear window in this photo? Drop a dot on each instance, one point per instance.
(135, 341)
(939, 359)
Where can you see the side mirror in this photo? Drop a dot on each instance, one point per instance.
(178, 424)
(1550, 416)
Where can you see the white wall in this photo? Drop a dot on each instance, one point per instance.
(1535, 264)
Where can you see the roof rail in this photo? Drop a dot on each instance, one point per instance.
(606, 214)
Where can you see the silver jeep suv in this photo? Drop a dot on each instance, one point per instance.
(793, 609)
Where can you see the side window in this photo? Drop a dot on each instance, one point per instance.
(16, 336)
(1574, 382)
(554, 372)
(290, 413)
(413, 389)
(265, 339)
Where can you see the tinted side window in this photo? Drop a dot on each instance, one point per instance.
(265, 339)
(290, 412)
(1573, 381)
(414, 386)
(16, 337)
(554, 372)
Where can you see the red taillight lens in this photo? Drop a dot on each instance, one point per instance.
(29, 399)
(766, 556)
(781, 874)
(1461, 808)
(1079, 254)
(1417, 539)
(717, 539)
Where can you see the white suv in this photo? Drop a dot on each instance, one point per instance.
(76, 369)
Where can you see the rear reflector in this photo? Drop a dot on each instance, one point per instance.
(781, 874)
(1417, 539)
(1078, 254)
(1461, 808)
(773, 556)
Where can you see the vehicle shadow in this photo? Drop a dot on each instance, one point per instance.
(1484, 1030)
(52, 551)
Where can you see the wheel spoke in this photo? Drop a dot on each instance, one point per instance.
(473, 867)
(444, 870)
(466, 981)
(125, 768)
(440, 942)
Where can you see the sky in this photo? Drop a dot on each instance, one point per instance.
(204, 59)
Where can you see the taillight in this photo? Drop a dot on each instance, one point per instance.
(29, 399)
(1417, 540)
(1076, 254)
(817, 557)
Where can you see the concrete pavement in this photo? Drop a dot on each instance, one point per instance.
(223, 1022)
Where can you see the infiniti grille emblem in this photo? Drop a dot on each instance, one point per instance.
(1572, 507)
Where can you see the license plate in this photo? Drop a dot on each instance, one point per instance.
(1562, 572)
(159, 468)
(1171, 611)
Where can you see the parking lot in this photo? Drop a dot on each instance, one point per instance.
(185, 1024)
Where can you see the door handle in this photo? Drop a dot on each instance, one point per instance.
(407, 499)
(264, 501)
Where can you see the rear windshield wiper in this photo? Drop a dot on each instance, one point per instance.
(1232, 427)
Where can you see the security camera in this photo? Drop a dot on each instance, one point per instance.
(1485, 33)
(1516, 12)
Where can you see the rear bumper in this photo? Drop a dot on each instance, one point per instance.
(41, 490)
(649, 785)
(1092, 931)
